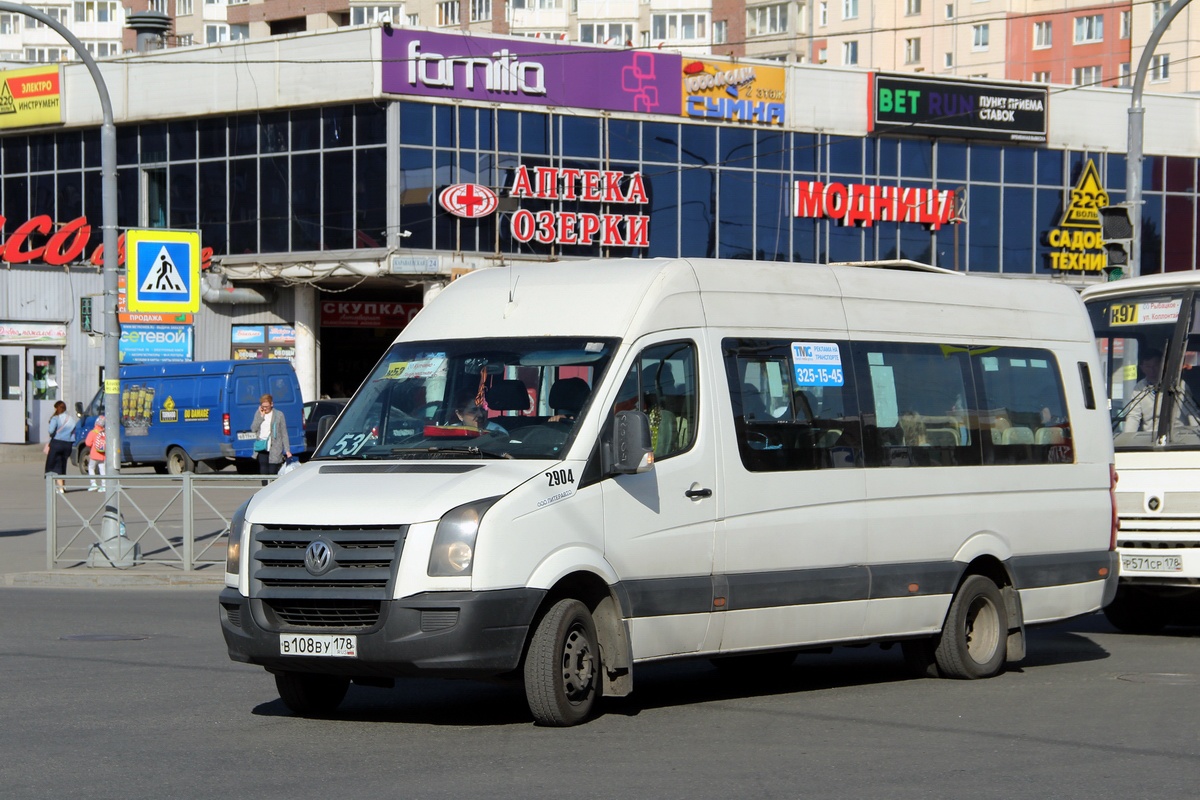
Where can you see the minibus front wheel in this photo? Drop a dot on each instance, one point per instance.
(975, 635)
(562, 666)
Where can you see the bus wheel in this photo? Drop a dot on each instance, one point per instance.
(974, 638)
(311, 695)
(1134, 611)
(562, 667)
(178, 462)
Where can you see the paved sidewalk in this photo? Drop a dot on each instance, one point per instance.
(23, 538)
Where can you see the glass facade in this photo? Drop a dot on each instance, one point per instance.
(305, 180)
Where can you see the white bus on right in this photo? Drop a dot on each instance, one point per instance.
(1148, 332)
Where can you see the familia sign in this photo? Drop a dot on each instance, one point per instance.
(534, 71)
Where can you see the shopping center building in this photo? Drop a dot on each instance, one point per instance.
(339, 179)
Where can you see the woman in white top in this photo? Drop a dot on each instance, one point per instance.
(271, 447)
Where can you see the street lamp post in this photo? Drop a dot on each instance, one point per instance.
(108, 229)
(1137, 122)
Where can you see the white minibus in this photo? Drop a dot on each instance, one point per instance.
(561, 471)
(1148, 332)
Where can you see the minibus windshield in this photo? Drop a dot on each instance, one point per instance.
(471, 398)
(1150, 347)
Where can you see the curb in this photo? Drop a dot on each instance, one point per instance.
(94, 578)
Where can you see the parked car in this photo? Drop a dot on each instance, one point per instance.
(314, 410)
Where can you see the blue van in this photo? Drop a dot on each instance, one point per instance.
(175, 416)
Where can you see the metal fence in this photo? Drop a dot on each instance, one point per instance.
(180, 522)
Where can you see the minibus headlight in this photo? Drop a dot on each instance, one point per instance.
(453, 551)
(237, 540)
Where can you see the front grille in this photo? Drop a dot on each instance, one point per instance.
(363, 558)
(347, 594)
(340, 614)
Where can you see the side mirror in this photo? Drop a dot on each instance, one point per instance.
(78, 408)
(625, 446)
(323, 426)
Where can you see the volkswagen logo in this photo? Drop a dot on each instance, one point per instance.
(318, 558)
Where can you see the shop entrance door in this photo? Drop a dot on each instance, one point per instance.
(44, 367)
(12, 395)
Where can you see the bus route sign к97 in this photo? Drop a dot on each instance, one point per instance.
(970, 109)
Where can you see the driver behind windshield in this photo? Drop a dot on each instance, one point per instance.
(471, 414)
(1146, 404)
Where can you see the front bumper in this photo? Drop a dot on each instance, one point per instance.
(446, 634)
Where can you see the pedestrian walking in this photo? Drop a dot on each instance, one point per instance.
(271, 447)
(58, 448)
(96, 441)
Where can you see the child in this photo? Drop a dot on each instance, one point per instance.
(96, 440)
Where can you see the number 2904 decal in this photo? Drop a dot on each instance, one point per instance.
(560, 477)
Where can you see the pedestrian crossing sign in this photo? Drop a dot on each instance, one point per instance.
(162, 271)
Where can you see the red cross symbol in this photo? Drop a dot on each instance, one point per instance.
(468, 200)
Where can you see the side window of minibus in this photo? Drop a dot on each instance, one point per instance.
(917, 402)
(794, 405)
(662, 383)
(1023, 411)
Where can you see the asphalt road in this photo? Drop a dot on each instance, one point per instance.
(128, 693)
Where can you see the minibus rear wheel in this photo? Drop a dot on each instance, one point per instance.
(562, 666)
(974, 638)
(309, 695)
(179, 462)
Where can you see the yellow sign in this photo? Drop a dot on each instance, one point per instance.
(168, 412)
(1077, 241)
(30, 97)
(726, 91)
(195, 415)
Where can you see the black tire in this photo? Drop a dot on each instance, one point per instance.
(82, 454)
(246, 466)
(1136, 611)
(160, 469)
(179, 462)
(562, 666)
(974, 640)
(309, 695)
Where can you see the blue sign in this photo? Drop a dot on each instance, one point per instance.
(162, 271)
(817, 364)
(141, 344)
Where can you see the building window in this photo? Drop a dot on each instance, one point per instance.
(1089, 29)
(103, 49)
(447, 13)
(822, 14)
(1041, 77)
(980, 36)
(1157, 11)
(679, 27)
(47, 55)
(365, 15)
(159, 6)
(618, 33)
(912, 7)
(912, 51)
(58, 15)
(1086, 76)
(849, 9)
(1125, 75)
(216, 33)
(98, 11)
(948, 61)
(1126, 24)
(414, 19)
(1160, 68)
(10, 23)
(481, 10)
(761, 20)
(1043, 35)
(949, 10)
(850, 53)
(720, 32)
(184, 8)
(185, 40)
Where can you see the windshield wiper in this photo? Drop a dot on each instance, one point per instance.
(435, 451)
